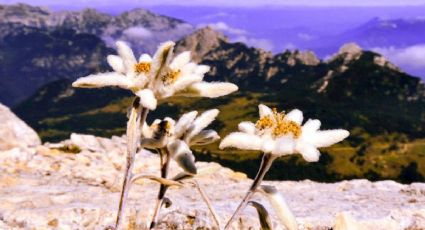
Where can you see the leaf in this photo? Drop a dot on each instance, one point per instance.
(182, 176)
(263, 215)
(280, 207)
(166, 182)
(182, 154)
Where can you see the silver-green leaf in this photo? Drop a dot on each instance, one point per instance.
(280, 207)
(166, 182)
(263, 215)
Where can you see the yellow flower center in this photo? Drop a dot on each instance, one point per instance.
(279, 125)
(264, 123)
(286, 128)
(170, 77)
(142, 67)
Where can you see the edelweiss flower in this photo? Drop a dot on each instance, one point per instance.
(156, 78)
(177, 137)
(282, 134)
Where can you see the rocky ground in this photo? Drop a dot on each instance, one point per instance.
(75, 185)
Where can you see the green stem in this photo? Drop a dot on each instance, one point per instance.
(266, 163)
(165, 162)
(137, 116)
(207, 202)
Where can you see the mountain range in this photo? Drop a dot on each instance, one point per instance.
(140, 27)
(377, 32)
(360, 90)
(34, 50)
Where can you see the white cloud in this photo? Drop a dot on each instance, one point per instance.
(218, 15)
(239, 35)
(305, 36)
(412, 57)
(138, 32)
(222, 26)
(255, 42)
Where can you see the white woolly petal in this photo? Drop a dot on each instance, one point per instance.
(205, 137)
(147, 99)
(327, 138)
(247, 127)
(209, 89)
(295, 116)
(268, 145)
(147, 131)
(102, 80)
(155, 122)
(180, 60)
(311, 126)
(280, 207)
(116, 63)
(201, 122)
(184, 122)
(202, 69)
(171, 121)
(145, 58)
(182, 154)
(127, 56)
(162, 58)
(189, 68)
(186, 80)
(284, 146)
(139, 81)
(242, 141)
(264, 110)
(308, 151)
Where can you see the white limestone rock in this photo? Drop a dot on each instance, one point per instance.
(14, 132)
(49, 188)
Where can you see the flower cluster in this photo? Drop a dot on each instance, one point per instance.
(178, 137)
(164, 75)
(156, 78)
(283, 134)
(278, 134)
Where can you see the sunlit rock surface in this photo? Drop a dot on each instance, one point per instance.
(75, 185)
(14, 132)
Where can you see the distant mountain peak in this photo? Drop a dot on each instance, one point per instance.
(351, 51)
(143, 29)
(292, 58)
(350, 48)
(347, 53)
(201, 42)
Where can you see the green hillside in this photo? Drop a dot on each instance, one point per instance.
(383, 108)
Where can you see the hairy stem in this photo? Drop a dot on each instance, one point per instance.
(165, 162)
(137, 116)
(207, 202)
(264, 167)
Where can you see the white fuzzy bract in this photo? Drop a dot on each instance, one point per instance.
(283, 134)
(178, 137)
(156, 78)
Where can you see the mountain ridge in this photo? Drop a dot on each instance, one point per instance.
(302, 80)
(142, 29)
(345, 91)
(137, 24)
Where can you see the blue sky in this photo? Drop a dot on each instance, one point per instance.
(221, 3)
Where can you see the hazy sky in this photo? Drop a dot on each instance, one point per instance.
(247, 3)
